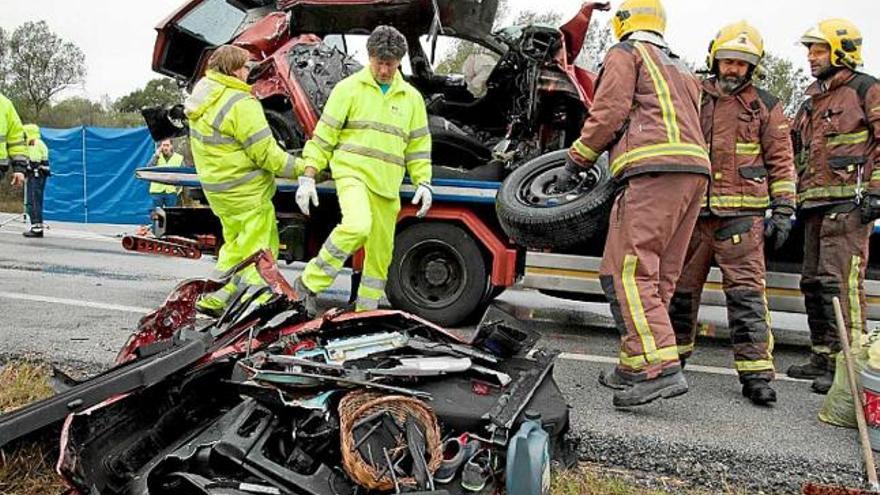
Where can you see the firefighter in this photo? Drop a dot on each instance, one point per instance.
(237, 160)
(373, 129)
(646, 111)
(165, 195)
(37, 172)
(836, 134)
(752, 170)
(13, 149)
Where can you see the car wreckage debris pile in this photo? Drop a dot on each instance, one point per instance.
(264, 400)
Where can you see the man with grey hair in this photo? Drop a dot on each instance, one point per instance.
(373, 130)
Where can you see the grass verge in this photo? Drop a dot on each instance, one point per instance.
(27, 468)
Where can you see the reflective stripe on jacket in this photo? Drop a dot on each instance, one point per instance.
(750, 147)
(235, 154)
(837, 132)
(646, 110)
(12, 143)
(176, 160)
(373, 137)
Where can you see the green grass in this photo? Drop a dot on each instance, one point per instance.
(590, 479)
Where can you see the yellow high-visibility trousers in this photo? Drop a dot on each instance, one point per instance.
(244, 233)
(368, 221)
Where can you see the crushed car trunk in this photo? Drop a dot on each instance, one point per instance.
(271, 402)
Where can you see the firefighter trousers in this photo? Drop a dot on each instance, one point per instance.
(835, 260)
(368, 221)
(737, 246)
(650, 227)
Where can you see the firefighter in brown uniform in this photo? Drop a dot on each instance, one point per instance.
(752, 170)
(646, 110)
(836, 134)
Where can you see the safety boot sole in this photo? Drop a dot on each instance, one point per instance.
(629, 397)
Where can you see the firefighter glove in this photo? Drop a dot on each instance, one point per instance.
(569, 176)
(306, 193)
(424, 197)
(870, 208)
(777, 227)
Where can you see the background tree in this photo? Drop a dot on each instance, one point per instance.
(785, 81)
(41, 64)
(161, 91)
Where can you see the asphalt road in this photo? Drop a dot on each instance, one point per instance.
(75, 296)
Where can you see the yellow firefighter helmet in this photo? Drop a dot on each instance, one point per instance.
(739, 41)
(842, 36)
(639, 15)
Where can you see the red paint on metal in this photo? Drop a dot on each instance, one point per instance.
(265, 35)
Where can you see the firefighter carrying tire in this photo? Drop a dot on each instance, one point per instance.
(536, 215)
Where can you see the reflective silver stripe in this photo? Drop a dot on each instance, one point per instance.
(335, 252)
(227, 107)
(325, 267)
(330, 121)
(422, 155)
(4, 162)
(289, 171)
(217, 138)
(225, 186)
(372, 153)
(367, 303)
(3, 138)
(18, 157)
(376, 126)
(373, 283)
(324, 145)
(16, 143)
(419, 133)
(257, 136)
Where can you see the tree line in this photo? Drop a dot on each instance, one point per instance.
(37, 67)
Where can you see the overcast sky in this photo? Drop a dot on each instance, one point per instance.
(117, 36)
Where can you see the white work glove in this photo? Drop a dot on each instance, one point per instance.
(423, 197)
(306, 193)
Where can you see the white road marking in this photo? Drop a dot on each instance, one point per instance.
(714, 370)
(75, 302)
(67, 234)
(569, 356)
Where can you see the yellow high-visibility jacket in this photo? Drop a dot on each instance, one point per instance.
(12, 144)
(176, 160)
(235, 154)
(373, 137)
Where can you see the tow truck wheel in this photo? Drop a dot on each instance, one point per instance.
(438, 273)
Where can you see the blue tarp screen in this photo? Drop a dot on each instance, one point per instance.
(93, 175)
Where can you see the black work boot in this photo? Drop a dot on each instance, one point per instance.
(33, 232)
(308, 298)
(758, 391)
(612, 379)
(817, 366)
(643, 392)
(822, 384)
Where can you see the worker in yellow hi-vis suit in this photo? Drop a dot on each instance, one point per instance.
(373, 130)
(237, 160)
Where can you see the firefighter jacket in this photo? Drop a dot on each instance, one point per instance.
(373, 137)
(235, 154)
(175, 160)
(750, 149)
(38, 152)
(836, 134)
(646, 109)
(13, 149)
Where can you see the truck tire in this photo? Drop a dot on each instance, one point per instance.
(438, 272)
(535, 216)
(285, 129)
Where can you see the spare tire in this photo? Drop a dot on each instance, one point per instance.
(535, 215)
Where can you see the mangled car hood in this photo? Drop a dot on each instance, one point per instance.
(469, 19)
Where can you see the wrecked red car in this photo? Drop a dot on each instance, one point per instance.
(262, 400)
(519, 95)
